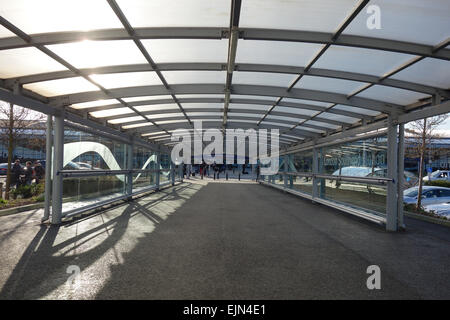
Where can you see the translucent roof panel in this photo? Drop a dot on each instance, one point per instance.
(96, 103)
(24, 61)
(126, 119)
(165, 115)
(187, 50)
(91, 54)
(184, 77)
(392, 95)
(290, 136)
(429, 71)
(196, 95)
(322, 124)
(60, 87)
(152, 134)
(305, 112)
(302, 101)
(243, 121)
(56, 15)
(171, 121)
(360, 60)
(156, 107)
(190, 105)
(249, 106)
(243, 114)
(263, 78)
(406, 20)
(328, 84)
(128, 79)
(176, 13)
(296, 15)
(137, 125)
(336, 117)
(111, 112)
(281, 52)
(144, 98)
(243, 96)
(292, 119)
(5, 33)
(356, 110)
(198, 114)
(277, 124)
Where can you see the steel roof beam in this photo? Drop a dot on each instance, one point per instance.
(326, 73)
(300, 106)
(232, 47)
(361, 4)
(221, 33)
(257, 90)
(115, 7)
(8, 25)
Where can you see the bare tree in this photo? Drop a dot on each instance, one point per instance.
(422, 131)
(14, 120)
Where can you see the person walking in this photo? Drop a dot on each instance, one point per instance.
(39, 171)
(28, 170)
(16, 171)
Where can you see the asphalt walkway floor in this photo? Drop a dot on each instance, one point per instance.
(219, 240)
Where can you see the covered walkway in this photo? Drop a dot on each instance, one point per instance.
(203, 239)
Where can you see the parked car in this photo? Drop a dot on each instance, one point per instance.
(438, 175)
(4, 168)
(72, 166)
(440, 209)
(430, 195)
(86, 166)
(409, 178)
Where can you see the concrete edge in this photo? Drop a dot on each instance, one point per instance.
(423, 217)
(28, 207)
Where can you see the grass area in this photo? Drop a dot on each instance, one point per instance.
(24, 195)
(6, 204)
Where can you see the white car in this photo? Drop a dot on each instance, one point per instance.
(438, 175)
(440, 209)
(430, 195)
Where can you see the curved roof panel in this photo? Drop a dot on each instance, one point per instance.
(307, 67)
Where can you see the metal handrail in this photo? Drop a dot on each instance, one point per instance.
(85, 173)
(367, 180)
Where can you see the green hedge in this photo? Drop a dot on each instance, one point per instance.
(438, 183)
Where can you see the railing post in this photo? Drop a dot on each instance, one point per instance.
(400, 174)
(58, 155)
(129, 176)
(172, 172)
(392, 173)
(315, 170)
(48, 167)
(285, 169)
(158, 169)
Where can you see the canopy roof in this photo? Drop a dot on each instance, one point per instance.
(306, 67)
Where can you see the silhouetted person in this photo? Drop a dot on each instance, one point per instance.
(28, 170)
(39, 171)
(16, 171)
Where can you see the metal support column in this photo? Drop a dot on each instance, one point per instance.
(129, 179)
(315, 170)
(400, 174)
(58, 155)
(158, 169)
(392, 173)
(172, 172)
(285, 169)
(48, 167)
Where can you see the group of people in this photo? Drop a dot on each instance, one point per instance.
(26, 175)
(205, 169)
